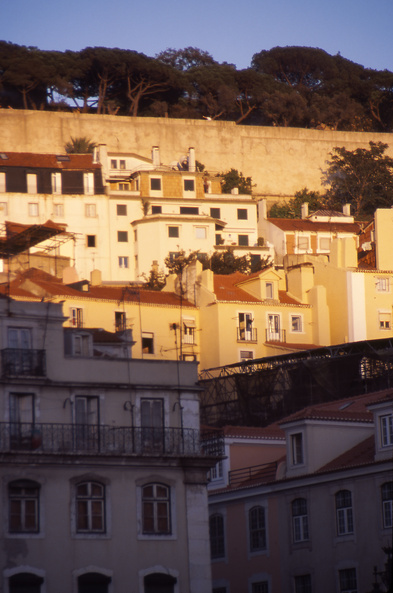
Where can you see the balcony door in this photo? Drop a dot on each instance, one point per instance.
(273, 328)
(87, 422)
(245, 326)
(19, 344)
(21, 419)
(152, 423)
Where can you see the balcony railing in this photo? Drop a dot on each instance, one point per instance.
(263, 472)
(247, 335)
(279, 335)
(77, 439)
(16, 362)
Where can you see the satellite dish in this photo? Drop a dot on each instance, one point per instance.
(183, 163)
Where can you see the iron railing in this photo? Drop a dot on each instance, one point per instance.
(279, 335)
(262, 472)
(247, 335)
(17, 362)
(83, 439)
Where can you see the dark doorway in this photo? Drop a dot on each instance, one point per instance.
(93, 582)
(25, 582)
(159, 583)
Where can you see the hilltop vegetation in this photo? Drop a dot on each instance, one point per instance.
(284, 86)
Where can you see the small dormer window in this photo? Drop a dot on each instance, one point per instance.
(387, 430)
(269, 290)
(297, 453)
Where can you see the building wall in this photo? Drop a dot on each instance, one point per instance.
(280, 161)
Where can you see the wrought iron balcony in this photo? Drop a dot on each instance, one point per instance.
(247, 335)
(17, 362)
(83, 439)
(279, 335)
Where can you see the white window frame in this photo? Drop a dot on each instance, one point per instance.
(245, 331)
(387, 507)
(292, 318)
(245, 355)
(346, 589)
(200, 232)
(188, 333)
(297, 448)
(382, 284)
(2, 182)
(385, 320)
(300, 523)
(344, 516)
(58, 210)
(33, 208)
(4, 208)
(90, 210)
(31, 179)
(189, 193)
(76, 317)
(324, 238)
(124, 262)
(88, 183)
(386, 427)
(56, 183)
(302, 236)
(269, 290)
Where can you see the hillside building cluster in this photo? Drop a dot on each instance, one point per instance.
(101, 440)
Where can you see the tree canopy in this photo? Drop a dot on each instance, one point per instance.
(284, 86)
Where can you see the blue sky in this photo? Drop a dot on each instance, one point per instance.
(230, 30)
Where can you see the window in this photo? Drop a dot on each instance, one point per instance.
(189, 185)
(113, 164)
(387, 504)
(269, 290)
(296, 323)
(324, 243)
(158, 582)
(297, 448)
(90, 211)
(344, 513)
(3, 207)
(200, 232)
(33, 209)
(21, 420)
(246, 355)
(216, 472)
(188, 331)
(88, 183)
(260, 587)
(122, 164)
(120, 321)
(93, 582)
(121, 209)
(124, 186)
(188, 210)
(90, 507)
(147, 343)
(123, 261)
(245, 329)
(173, 231)
(347, 579)
(82, 345)
(303, 243)
(76, 317)
(217, 541)
(385, 319)
(91, 240)
(257, 529)
(58, 210)
(86, 422)
(242, 214)
(215, 212)
(300, 520)
(56, 183)
(303, 583)
(19, 337)
(31, 183)
(155, 183)
(242, 240)
(122, 236)
(387, 430)
(2, 181)
(25, 582)
(218, 239)
(156, 509)
(156, 209)
(23, 498)
(382, 284)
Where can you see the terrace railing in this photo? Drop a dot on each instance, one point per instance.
(18, 362)
(81, 439)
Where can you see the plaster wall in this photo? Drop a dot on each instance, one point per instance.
(280, 161)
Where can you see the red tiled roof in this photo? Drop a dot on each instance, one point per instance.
(273, 431)
(295, 224)
(344, 410)
(361, 454)
(226, 288)
(48, 161)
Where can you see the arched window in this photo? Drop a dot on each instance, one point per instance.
(90, 507)
(344, 512)
(159, 583)
(23, 499)
(300, 520)
(257, 528)
(156, 518)
(93, 582)
(25, 582)
(387, 504)
(217, 536)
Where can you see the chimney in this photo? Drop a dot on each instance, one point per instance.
(235, 190)
(347, 209)
(155, 156)
(304, 210)
(191, 159)
(262, 209)
(95, 278)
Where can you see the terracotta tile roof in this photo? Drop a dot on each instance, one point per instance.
(273, 431)
(295, 224)
(55, 287)
(226, 288)
(48, 161)
(344, 410)
(361, 454)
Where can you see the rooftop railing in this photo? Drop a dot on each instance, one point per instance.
(263, 472)
(83, 439)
